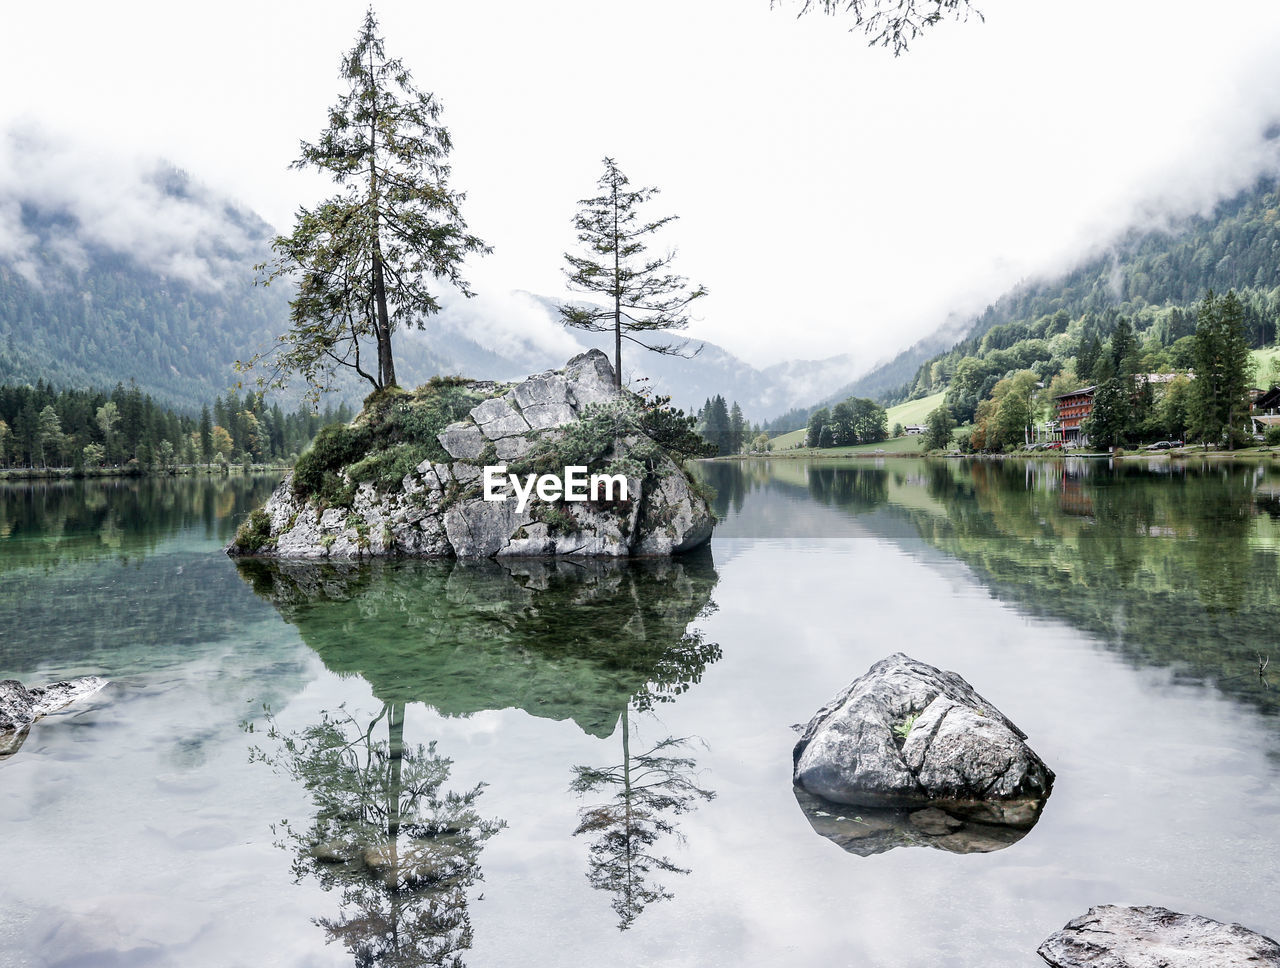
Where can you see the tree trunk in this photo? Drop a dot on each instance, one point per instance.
(617, 296)
(382, 325)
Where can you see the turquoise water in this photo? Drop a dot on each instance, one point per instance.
(413, 762)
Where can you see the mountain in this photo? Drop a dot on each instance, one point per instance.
(1153, 276)
(533, 339)
(126, 274)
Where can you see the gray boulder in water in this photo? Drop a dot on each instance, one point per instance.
(1116, 936)
(20, 706)
(906, 735)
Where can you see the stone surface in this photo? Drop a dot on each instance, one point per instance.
(509, 448)
(496, 419)
(439, 511)
(462, 440)
(1115, 936)
(20, 706)
(907, 735)
(872, 830)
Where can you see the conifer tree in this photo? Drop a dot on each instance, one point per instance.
(364, 259)
(643, 294)
(737, 429)
(1218, 409)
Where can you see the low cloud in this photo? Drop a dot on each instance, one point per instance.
(66, 200)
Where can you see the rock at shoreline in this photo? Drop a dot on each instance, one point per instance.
(20, 706)
(907, 736)
(574, 416)
(1116, 936)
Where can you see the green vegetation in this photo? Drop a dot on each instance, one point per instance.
(255, 531)
(363, 258)
(903, 729)
(394, 433)
(850, 422)
(910, 412)
(643, 295)
(87, 430)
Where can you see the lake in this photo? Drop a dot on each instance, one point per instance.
(419, 763)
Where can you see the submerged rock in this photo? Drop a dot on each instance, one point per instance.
(1116, 936)
(20, 706)
(908, 736)
(871, 830)
(574, 416)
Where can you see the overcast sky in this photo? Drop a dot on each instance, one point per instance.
(832, 198)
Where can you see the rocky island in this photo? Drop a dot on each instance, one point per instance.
(418, 473)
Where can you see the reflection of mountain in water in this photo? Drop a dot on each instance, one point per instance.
(558, 639)
(1169, 564)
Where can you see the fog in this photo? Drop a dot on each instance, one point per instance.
(831, 197)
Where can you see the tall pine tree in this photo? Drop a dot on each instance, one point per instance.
(364, 259)
(1218, 409)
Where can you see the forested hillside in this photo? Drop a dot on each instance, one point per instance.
(1152, 278)
(82, 306)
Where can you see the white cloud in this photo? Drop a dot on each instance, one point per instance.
(85, 195)
(833, 198)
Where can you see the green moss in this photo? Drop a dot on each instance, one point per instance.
(394, 433)
(317, 471)
(255, 532)
(557, 518)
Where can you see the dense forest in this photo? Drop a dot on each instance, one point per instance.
(43, 427)
(1152, 279)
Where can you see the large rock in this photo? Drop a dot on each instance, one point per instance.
(906, 736)
(1114, 936)
(439, 509)
(20, 706)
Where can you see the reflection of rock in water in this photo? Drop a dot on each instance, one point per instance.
(867, 830)
(558, 639)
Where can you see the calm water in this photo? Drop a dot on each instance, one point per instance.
(411, 763)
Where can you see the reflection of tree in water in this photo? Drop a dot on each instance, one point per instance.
(558, 639)
(50, 523)
(623, 831)
(858, 490)
(1172, 565)
(646, 791)
(400, 849)
(594, 642)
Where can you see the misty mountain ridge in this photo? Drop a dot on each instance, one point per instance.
(111, 273)
(1172, 263)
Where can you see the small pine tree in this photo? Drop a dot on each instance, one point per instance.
(644, 295)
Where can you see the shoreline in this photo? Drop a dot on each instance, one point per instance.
(94, 473)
